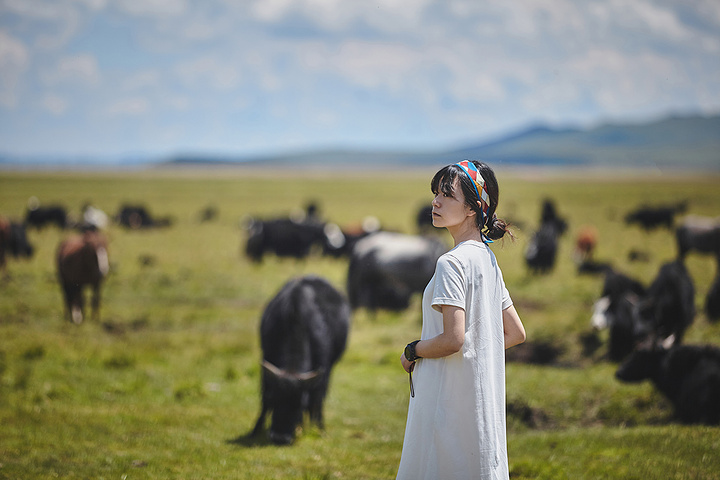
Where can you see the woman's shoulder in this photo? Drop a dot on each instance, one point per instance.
(463, 253)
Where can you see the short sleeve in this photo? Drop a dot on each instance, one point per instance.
(450, 284)
(506, 300)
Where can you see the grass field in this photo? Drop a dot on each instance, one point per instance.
(170, 375)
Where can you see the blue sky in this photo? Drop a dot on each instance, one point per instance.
(113, 78)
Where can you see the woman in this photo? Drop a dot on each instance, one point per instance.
(456, 418)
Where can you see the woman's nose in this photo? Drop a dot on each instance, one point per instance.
(435, 202)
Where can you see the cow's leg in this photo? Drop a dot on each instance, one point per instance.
(70, 295)
(260, 424)
(78, 304)
(315, 407)
(96, 302)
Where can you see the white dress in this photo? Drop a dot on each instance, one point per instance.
(456, 421)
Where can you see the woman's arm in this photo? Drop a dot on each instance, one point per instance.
(513, 327)
(450, 341)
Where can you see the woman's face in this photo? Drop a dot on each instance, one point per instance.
(450, 210)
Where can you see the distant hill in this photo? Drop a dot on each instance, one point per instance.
(676, 142)
(686, 143)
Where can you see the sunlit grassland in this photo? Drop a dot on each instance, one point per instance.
(171, 374)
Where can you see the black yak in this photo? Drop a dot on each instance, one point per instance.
(651, 217)
(39, 217)
(688, 375)
(303, 333)
(700, 234)
(82, 260)
(661, 313)
(284, 237)
(387, 268)
(542, 249)
(13, 241)
(712, 300)
(668, 307)
(138, 216)
(616, 310)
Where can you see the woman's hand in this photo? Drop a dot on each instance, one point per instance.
(407, 365)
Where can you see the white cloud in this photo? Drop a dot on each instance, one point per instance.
(439, 65)
(13, 65)
(208, 72)
(153, 8)
(77, 70)
(133, 106)
(54, 104)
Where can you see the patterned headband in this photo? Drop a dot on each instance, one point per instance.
(478, 183)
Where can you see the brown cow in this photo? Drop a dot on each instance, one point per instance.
(82, 260)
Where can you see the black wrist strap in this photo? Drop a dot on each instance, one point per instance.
(410, 354)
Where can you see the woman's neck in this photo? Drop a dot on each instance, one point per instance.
(464, 232)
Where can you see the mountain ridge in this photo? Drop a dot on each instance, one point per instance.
(690, 142)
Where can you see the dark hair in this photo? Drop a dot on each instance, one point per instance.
(489, 225)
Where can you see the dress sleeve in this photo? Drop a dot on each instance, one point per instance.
(450, 283)
(506, 300)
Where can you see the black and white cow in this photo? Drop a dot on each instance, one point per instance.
(688, 375)
(340, 242)
(303, 333)
(387, 268)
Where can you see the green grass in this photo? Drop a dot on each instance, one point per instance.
(160, 387)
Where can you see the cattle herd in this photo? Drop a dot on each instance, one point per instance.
(304, 328)
(646, 322)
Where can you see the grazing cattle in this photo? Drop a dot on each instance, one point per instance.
(585, 244)
(82, 260)
(39, 217)
(93, 218)
(284, 237)
(341, 242)
(660, 314)
(208, 214)
(387, 268)
(550, 216)
(616, 310)
(700, 234)
(13, 241)
(650, 218)
(541, 251)
(137, 216)
(303, 333)
(668, 307)
(689, 376)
